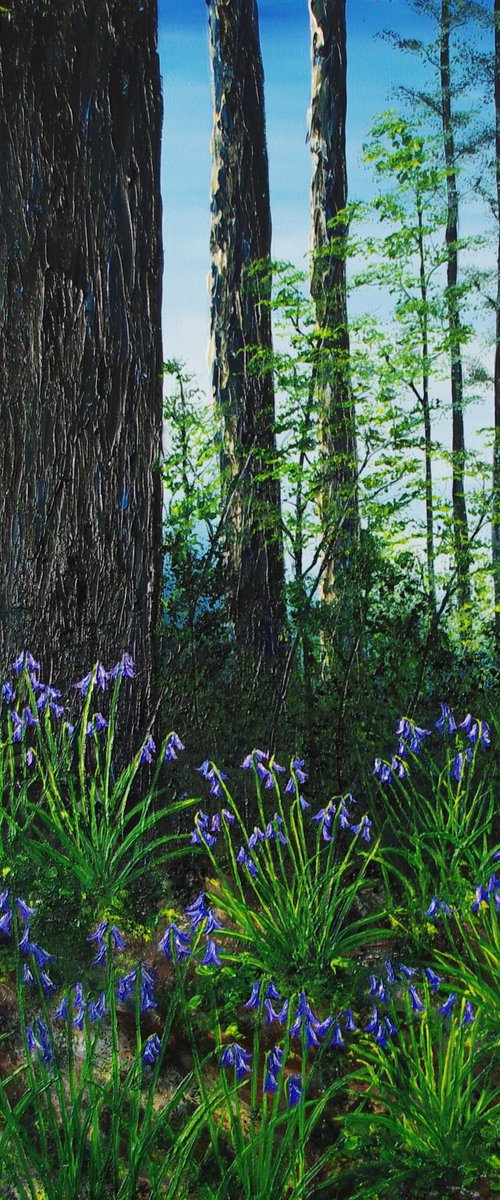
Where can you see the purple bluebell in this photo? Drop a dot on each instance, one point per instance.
(235, 1056)
(25, 660)
(371, 1025)
(117, 939)
(125, 668)
(253, 1001)
(294, 1089)
(437, 908)
(151, 1050)
(275, 1060)
(102, 677)
(311, 1038)
(381, 1036)
(8, 693)
(175, 938)
(48, 986)
(78, 1000)
(485, 734)
(228, 816)
(350, 1024)
(97, 1009)
(323, 1027)
(83, 684)
(97, 724)
(4, 896)
(446, 1008)
(408, 972)
(416, 1002)
(79, 1020)
(446, 723)
(272, 1015)
(363, 828)
(336, 1038)
(197, 911)
(272, 992)
(98, 935)
(391, 1027)
(392, 977)
(469, 1014)
(30, 757)
(99, 959)
(398, 768)
(271, 1083)
(211, 957)
(303, 803)
(61, 1012)
(382, 771)
(174, 743)
(481, 897)
(28, 976)
(432, 978)
(6, 924)
(213, 925)
(18, 725)
(255, 837)
(29, 718)
(148, 750)
(458, 767)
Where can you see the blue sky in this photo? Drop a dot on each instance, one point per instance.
(375, 70)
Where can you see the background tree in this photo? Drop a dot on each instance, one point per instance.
(338, 498)
(80, 338)
(240, 323)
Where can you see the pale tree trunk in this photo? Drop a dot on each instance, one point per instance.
(338, 500)
(80, 339)
(240, 235)
(460, 525)
(495, 527)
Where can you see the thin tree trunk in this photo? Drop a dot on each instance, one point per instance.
(241, 322)
(495, 526)
(329, 198)
(460, 525)
(429, 500)
(80, 338)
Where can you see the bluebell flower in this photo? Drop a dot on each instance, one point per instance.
(446, 1008)
(390, 972)
(433, 979)
(83, 684)
(391, 1027)
(213, 925)
(102, 677)
(480, 898)
(303, 803)
(416, 1002)
(98, 935)
(151, 1050)
(6, 924)
(117, 939)
(31, 1040)
(61, 1012)
(294, 1089)
(437, 908)
(270, 1083)
(124, 668)
(382, 771)
(255, 837)
(30, 757)
(336, 1038)
(29, 718)
(148, 750)
(323, 1027)
(350, 1024)
(228, 816)
(28, 976)
(381, 1036)
(469, 1014)
(99, 959)
(446, 723)
(363, 828)
(344, 815)
(254, 1001)
(275, 1060)
(398, 768)
(25, 660)
(4, 896)
(78, 1001)
(371, 1025)
(458, 767)
(408, 972)
(373, 985)
(310, 1035)
(211, 957)
(48, 986)
(8, 693)
(175, 938)
(485, 734)
(39, 1041)
(18, 725)
(197, 911)
(235, 1056)
(79, 1020)
(97, 1009)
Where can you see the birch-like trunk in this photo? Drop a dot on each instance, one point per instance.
(338, 500)
(240, 323)
(80, 338)
(460, 524)
(495, 524)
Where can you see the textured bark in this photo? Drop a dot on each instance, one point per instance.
(426, 411)
(240, 235)
(338, 502)
(80, 337)
(460, 526)
(495, 525)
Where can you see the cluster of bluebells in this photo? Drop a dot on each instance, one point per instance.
(327, 815)
(411, 739)
(400, 976)
(173, 744)
(177, 944)
(302, 1021)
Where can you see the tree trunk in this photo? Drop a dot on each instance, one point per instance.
(240, 323)
(338, 501)
(80, 338)
(495, 523)
(460, 527)
(426, 409)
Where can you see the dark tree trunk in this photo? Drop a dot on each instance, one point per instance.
(80, 337)
(240, 235)
(495, 527)
(338, 501)
(460, 526)
(426, 411)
